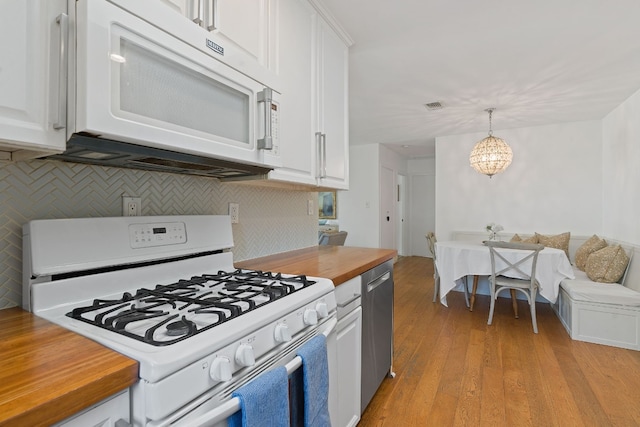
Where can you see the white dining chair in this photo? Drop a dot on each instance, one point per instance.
(517, 265)
(431, 241)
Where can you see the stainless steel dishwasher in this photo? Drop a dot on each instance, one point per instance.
(377, 329)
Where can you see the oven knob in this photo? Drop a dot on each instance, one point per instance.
(244, 355)
(282, 333)
(220, 369)
(310, 317)
(322, 309)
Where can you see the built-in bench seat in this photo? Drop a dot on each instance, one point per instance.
(601, 313)
(586, 290)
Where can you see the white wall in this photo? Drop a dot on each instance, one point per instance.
(391, 165)
(553, 185)
(359, 206)
(621, 163)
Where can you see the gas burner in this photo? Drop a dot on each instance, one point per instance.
(181, 327)
(171, 313)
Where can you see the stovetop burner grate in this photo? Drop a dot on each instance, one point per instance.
(171, 313)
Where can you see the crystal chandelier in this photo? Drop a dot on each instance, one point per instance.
(492, 155)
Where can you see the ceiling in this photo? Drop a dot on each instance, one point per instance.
(537, 62)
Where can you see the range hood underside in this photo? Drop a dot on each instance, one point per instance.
(105, 152)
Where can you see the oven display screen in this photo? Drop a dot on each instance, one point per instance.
(158, 234)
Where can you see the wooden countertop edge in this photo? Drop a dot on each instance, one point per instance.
(37, 388)
(75, 401)
(338, 263)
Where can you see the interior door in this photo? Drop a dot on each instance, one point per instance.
(422, 208)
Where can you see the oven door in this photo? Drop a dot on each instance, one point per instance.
(214, 408)
(137, 83)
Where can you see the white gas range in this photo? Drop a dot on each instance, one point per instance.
(163, 291)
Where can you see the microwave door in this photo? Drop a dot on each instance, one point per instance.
(138, 84)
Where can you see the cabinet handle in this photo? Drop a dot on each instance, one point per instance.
(211, 15)
(321, 141)
(318, 154)
(266, 96)
(197, 12)
(344, 304)
(63, 71)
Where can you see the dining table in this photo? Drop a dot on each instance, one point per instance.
(456, 260)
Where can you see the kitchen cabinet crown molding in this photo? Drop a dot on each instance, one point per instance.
(322, 10)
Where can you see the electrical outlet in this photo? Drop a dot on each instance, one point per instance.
(131, 206)
(309, 207)
(234, 213)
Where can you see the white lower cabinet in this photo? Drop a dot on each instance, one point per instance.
(349, 350)
(349, 365)
(111, 412)
(33, 68)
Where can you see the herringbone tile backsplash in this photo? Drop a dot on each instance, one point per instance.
(271, 220)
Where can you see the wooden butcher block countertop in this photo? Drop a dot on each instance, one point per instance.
(338, 263)
(48, 373)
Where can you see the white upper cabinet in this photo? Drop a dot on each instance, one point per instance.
(245, 29)
(313, 67)
(332, 113)
(297, 115)
(33, 73)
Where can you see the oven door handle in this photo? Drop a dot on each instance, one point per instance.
(232, 406)
(297, 361)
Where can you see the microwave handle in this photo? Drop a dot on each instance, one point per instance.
(266, 96)
(63, 71)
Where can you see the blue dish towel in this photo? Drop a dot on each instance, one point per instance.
(264, 402)
(315, 371)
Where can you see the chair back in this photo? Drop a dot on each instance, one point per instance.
(516, 267)
(333, 239)
(431, 241)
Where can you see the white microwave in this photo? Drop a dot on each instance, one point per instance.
(150, 98)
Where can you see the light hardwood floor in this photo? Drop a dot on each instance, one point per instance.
(452, 369)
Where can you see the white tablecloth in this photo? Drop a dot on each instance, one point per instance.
(457, 259)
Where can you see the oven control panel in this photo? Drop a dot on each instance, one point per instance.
(157, 234)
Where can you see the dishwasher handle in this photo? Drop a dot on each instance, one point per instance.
(379, 281)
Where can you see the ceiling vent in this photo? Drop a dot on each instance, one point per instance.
(434, 106)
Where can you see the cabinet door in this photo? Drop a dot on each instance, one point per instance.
(105, 413)
(349, 343)
(313, 66)
(247, 24)
(246, 30)
(297, 64)
(333, 106)
(32, 65)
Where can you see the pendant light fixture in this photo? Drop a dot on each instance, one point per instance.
(492, 155)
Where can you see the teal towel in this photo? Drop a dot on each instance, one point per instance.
(315, 371)
(264, 402)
